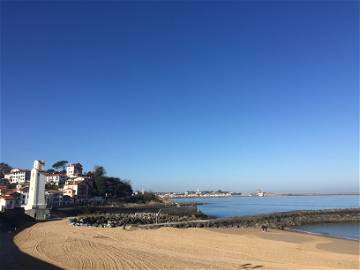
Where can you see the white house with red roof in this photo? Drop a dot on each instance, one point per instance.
(78, 187)
(18, 176)
(7, 202)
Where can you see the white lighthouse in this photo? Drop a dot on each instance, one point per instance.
(37, 188)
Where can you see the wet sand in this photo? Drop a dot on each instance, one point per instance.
(69, 247)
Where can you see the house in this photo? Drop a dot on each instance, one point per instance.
(6, 202)
(54, 198)
(74, 170)
(24, 191)
(19, 199)
(18, 176)
(17, 194)
(55, 178)
(69, 191)
(78, 188)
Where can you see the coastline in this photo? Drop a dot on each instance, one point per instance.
(323, 235)
(66, 246)
(265, 196)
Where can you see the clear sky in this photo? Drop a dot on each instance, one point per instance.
(186, 95)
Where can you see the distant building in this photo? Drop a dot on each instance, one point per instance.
(55, 178)
(74, 170)
(24, 191)
(7, 202)
(19, 199)
(18, 176)
(54, 198)
(78, 188)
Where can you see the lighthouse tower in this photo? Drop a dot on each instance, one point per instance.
(36, 205)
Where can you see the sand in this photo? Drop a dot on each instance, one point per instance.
(69, 247)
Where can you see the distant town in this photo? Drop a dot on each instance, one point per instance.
(205, 194)
(63, 184)
(259, 193)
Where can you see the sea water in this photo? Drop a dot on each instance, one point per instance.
(241, 206)
(342, 230)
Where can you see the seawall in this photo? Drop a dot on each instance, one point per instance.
(183, 210)
(275, 220)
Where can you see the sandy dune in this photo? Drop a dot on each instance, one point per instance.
(70, 247)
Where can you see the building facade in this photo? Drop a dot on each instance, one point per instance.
(78, 188)
(18, 176)
(55, 178)
(54, 198)
(74, 170)
(24, 191)
(7, 202)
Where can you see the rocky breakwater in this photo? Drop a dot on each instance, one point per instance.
(123, 219)
(295, 218)
(280, 220)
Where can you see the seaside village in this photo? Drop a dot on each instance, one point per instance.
(37, 189)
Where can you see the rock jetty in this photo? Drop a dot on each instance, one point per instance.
(123, 219)
(280, 220)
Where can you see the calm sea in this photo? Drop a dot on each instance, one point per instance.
(241, 206)
(342, 230)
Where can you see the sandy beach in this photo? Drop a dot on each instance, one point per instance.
(69, 247)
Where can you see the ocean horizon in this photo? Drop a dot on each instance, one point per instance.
(222, 207)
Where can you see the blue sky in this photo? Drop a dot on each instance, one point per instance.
(186, 95)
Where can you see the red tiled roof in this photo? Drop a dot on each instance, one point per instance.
(74, 182)
(55, 174)
(7, 197)
(54, 191)
(23, 189)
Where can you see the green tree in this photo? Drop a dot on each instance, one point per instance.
(4, 169)
(60, 165)
(4, 181)
(99, 171)
(117, 188)
(11, 186)
(100, 185)
(109, 186)
(99, 177)
(50, 186)
(123, 189)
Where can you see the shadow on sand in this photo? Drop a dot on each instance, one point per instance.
(12, 258)
(250, 266)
